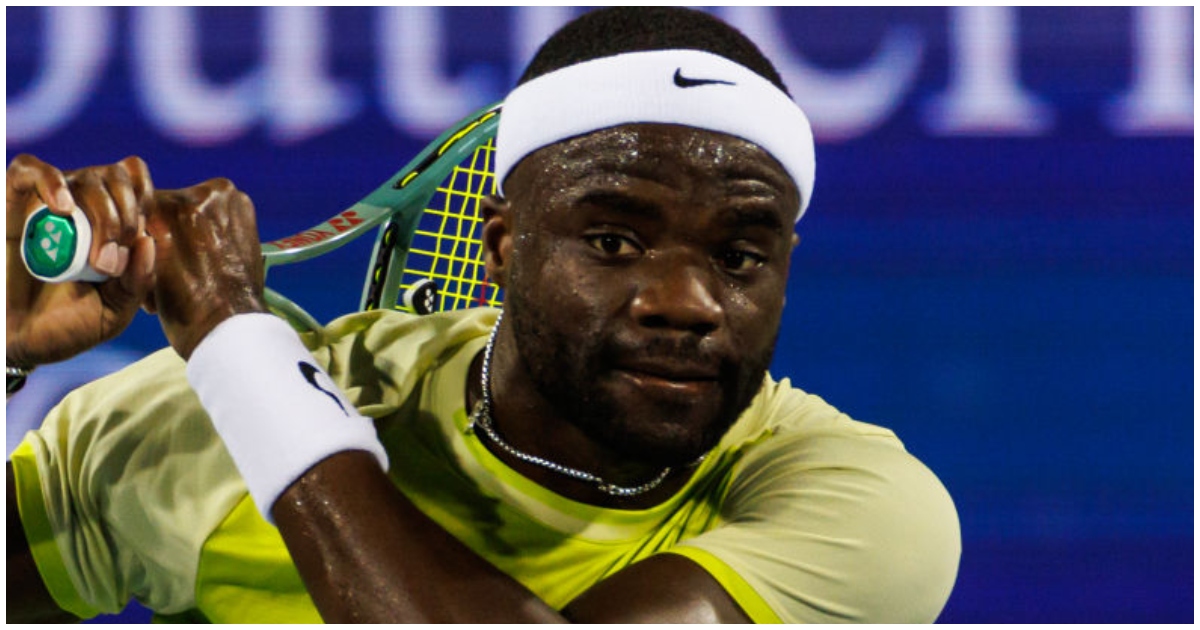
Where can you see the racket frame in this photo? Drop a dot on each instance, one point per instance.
(394, 208)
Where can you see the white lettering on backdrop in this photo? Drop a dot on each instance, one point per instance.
(292, 93)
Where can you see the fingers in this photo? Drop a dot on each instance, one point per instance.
(135, 287)
(138, 280)
(27, 174)
(30, 182)
(213, 214)
(114, 198)
(139, 176)
(209, 261)
(108, 254)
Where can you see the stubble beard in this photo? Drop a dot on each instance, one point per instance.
(569, 371)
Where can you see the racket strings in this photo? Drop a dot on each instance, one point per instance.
(447, 249)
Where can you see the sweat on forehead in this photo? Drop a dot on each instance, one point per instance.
(655, 151)
(682, 87)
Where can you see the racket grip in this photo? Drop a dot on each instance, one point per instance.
(55, 248)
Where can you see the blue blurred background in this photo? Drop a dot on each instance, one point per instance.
(997, 264)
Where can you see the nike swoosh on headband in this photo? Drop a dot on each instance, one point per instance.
(688, 82)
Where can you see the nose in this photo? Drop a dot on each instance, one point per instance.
(677, 294)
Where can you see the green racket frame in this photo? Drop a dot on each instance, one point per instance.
(395, 209)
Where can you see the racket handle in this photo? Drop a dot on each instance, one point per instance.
(55, 248)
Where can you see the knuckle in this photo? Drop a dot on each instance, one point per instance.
(25, 169)
(139, 175)
(116, 174)
(83, 177)
(134, 164)
(221, 185)
(22, 161)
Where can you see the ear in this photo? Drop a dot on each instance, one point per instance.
(498, 230)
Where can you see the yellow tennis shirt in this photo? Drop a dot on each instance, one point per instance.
(801, 513)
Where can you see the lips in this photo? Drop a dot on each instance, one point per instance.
(670, 377)
(672, 370)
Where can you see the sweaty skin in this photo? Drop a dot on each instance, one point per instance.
(654, 236)
(211, 265)
(192, 255)
(658, 253)
(53, 322)
(46, 323)
(645, 268)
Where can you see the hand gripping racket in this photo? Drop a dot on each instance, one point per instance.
(427, 256)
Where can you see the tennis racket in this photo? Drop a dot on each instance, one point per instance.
(428, 255)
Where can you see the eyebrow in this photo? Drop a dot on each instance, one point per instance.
(747, 216)
(739, 216)
(760, 175)
(621, 203)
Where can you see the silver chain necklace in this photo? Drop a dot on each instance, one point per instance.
(481, 418)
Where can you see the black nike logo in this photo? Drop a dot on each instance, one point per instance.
(687, 82)
(310, 372)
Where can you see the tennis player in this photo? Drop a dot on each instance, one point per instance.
(609, 448)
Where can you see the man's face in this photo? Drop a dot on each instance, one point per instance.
(645, 282)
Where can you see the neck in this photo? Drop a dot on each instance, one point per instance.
(528, 423)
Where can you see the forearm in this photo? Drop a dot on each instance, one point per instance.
(315, 467)
(366, 554)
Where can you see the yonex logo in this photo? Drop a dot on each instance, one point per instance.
(688, 82)
(422, 296)
(50, 242)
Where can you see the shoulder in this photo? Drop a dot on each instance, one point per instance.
(420, 333)
(129, 478)
(378, 358)
(109, 434)
(131, 403)
(837, 512)
(780, 409)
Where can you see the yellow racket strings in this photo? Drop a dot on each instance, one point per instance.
(447, 247)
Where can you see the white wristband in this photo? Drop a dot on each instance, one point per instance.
(277, 411)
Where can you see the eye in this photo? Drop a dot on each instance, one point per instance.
(740, 260)
(613, 245)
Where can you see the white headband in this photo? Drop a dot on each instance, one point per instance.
(683, 87)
